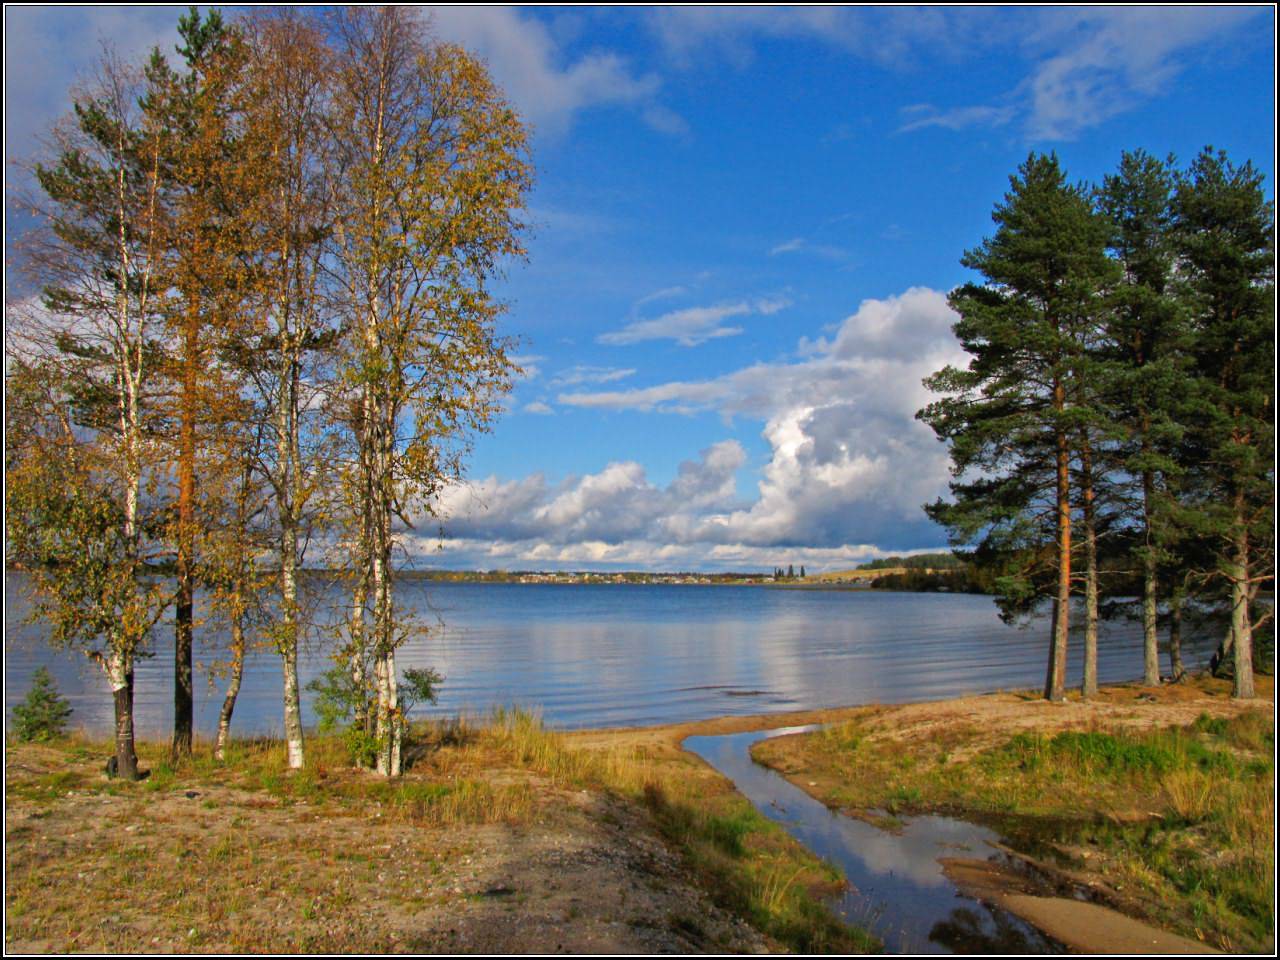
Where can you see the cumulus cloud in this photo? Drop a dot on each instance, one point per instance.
(692, 325)
(847, 471)
(615, 505)
(538, 407)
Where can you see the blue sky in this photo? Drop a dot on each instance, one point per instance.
(746, 222)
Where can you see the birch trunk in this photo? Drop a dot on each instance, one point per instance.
(233, 690)
(356, 656)
(119, 670)
(289, 641)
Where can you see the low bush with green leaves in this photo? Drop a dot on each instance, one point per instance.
(340, 700)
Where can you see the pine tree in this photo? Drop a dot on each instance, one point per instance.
(1014, 415)
(43, 714)
(198, 113)
(1147, 335)
(1224, 230)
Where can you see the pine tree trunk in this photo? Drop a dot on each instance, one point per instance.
(1242, 688)
(1089, 684)
(1055, 681)
(1175, 638)
(1150, 647)
(183, 686)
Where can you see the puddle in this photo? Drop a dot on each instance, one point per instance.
(898, 889)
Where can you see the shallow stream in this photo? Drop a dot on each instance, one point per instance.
(897, 888)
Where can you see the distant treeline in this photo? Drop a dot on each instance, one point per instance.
(920, 561)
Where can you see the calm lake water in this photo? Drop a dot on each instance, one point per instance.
(620, 655)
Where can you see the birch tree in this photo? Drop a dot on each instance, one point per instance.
(434, 170)
(83, 495)
(284, 351)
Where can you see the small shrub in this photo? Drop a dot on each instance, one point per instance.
(338, 699)
(43, 714)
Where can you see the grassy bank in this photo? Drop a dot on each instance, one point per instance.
(474, 849)
(1168, 813)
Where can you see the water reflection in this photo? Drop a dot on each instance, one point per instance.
(623, 655)
(898, 889)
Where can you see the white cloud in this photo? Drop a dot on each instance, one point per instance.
(692, 325)
(664, 294)
(547, 89)
(848, 468)
(890, 37)
(529, 363)
(1090, 65)
(1085, 65)
(616, 504)
(957, 118)
(826, 251)
(577, 375)
(639, 555)
(538, 407)
(1111, 60)
(48, 49)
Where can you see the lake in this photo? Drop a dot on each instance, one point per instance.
(623, 655)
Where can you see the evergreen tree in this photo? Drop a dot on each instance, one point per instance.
(1224, 234)
(204, 165)
(1147, 341)
(43, 714)
(1013, 417)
